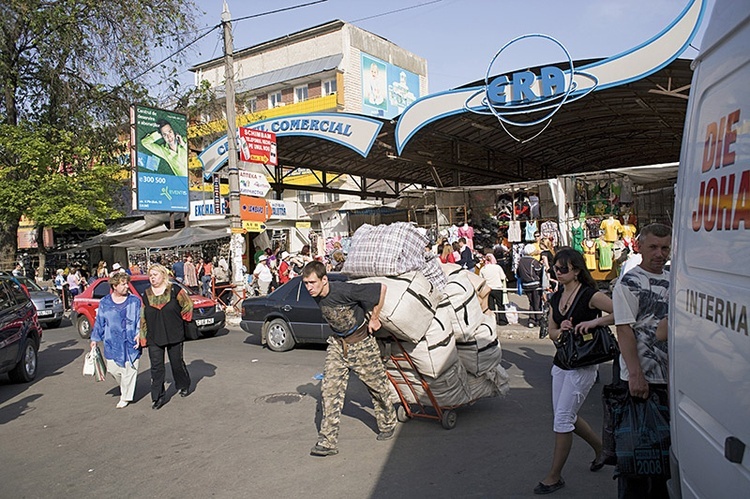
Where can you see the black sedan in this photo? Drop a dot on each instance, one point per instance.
(287, 316)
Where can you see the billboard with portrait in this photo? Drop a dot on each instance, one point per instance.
(160, 160)
(386, 89)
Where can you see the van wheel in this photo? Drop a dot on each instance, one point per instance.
(84, 327)
(25, 370)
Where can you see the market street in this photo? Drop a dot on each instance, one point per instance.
(247, 430)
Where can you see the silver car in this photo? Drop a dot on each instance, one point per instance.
(49, 307)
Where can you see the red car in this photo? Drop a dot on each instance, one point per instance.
(208, 315)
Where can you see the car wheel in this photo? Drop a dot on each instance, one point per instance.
(84, 327)
(55, 324)
(25, 370)
(279, 336)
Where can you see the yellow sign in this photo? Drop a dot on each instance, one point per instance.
(302, 225)
(253, 226)
(238, 231)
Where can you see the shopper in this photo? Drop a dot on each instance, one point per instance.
(117, 325)
(530, 274)
(576, 307)
(165, 309)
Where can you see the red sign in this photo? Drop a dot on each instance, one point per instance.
(257, 146)
(254, 209)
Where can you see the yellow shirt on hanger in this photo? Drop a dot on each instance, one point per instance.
(611, 228)
(628, 230)
(589, 253)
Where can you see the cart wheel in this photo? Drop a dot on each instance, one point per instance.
(449, 419)
(402, 415)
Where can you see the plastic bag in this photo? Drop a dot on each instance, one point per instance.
(100, 365)
(511, 313)
(89, 369)
(642, 436)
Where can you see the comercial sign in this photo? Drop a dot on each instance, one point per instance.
(253, 184)
(350, 130)
(257, 146)
(159, 159)
(278, 209)
(525, 98)
(254, 209)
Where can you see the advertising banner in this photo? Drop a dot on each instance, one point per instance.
(161, 159)
(278, 209)
(253, 184)
(206, 210)
(257, 146)
(386, 89)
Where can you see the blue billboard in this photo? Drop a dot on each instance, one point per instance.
(160, 166)
(386, 89)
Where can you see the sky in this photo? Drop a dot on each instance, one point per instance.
(458, 38)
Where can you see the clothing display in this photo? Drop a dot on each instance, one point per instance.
(551, 229)
(605, 254)
(576, 233)
(531, 229)
(589, 253)
(467, 232)
(514, 231)
(611, 228)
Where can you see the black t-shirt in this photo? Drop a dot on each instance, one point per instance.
(346, 304)
(581, 312)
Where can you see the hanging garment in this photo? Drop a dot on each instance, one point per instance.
(592, 227)
(514, 231)
(589, 253)
(467, 232)
(611, 228)
(534, 207)
(531, 229)
(605, 254)
(576, 236)
(551, 230)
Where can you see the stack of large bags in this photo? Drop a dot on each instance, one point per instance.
(437, 318)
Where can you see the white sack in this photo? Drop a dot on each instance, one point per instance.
(436, 352)
(467, 311)
(410, 303)
(490, 384)
(450, 389)
(481, 351)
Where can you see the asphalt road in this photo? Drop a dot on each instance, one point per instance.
(247, 429)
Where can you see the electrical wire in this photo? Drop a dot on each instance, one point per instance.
(284, 9)
(394, 11)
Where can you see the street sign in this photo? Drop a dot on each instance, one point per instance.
(254, 209)
(257, 146)
(302, 225)
(237, 230)
(253, 226)
(253, 184)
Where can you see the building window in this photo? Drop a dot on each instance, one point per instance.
(328, 87)
(332, 197)
(304, 196)
(300, 94)
(274, 100)
(251, 105)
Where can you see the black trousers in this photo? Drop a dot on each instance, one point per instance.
(177, 363)
(495, 301)
(535, 302)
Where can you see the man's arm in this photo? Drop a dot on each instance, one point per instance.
(374, 323)
(628, 348)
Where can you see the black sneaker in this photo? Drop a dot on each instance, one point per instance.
(321, 451)
(548, 489)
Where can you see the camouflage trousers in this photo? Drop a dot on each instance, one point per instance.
(364, 359)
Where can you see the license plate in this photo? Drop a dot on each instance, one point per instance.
(204, 322)
(44, 312)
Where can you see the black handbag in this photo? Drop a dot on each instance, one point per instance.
(581, 350)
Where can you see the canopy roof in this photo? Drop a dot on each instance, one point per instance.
(639, 123)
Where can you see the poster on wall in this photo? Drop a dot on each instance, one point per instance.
(386, 89)
(160, 159)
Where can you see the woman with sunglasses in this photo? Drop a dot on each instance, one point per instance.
(577, 305)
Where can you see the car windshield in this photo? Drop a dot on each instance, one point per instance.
(30, 285)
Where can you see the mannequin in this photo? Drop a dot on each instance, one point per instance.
(589, 253)
(467, 232)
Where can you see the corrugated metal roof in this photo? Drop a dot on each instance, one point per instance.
(290, 73)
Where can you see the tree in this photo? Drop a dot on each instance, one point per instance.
(69, 69)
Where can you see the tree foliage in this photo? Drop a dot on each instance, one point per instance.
(69, 69)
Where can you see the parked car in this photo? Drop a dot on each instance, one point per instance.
(20, 332)
(287, 316)
(49, 306)
(209, 316)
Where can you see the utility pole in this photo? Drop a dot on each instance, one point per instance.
(237, 241)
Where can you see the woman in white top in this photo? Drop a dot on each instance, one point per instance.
(496, 278)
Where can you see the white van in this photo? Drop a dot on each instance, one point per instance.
(709, 342)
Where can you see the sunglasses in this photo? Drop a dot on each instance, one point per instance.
(559, 270)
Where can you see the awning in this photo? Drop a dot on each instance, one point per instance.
(184, 237)
(149, 224)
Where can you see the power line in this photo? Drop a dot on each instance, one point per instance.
(279, 10)
(395, 11)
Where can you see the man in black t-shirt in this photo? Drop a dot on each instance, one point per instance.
(352, 311)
